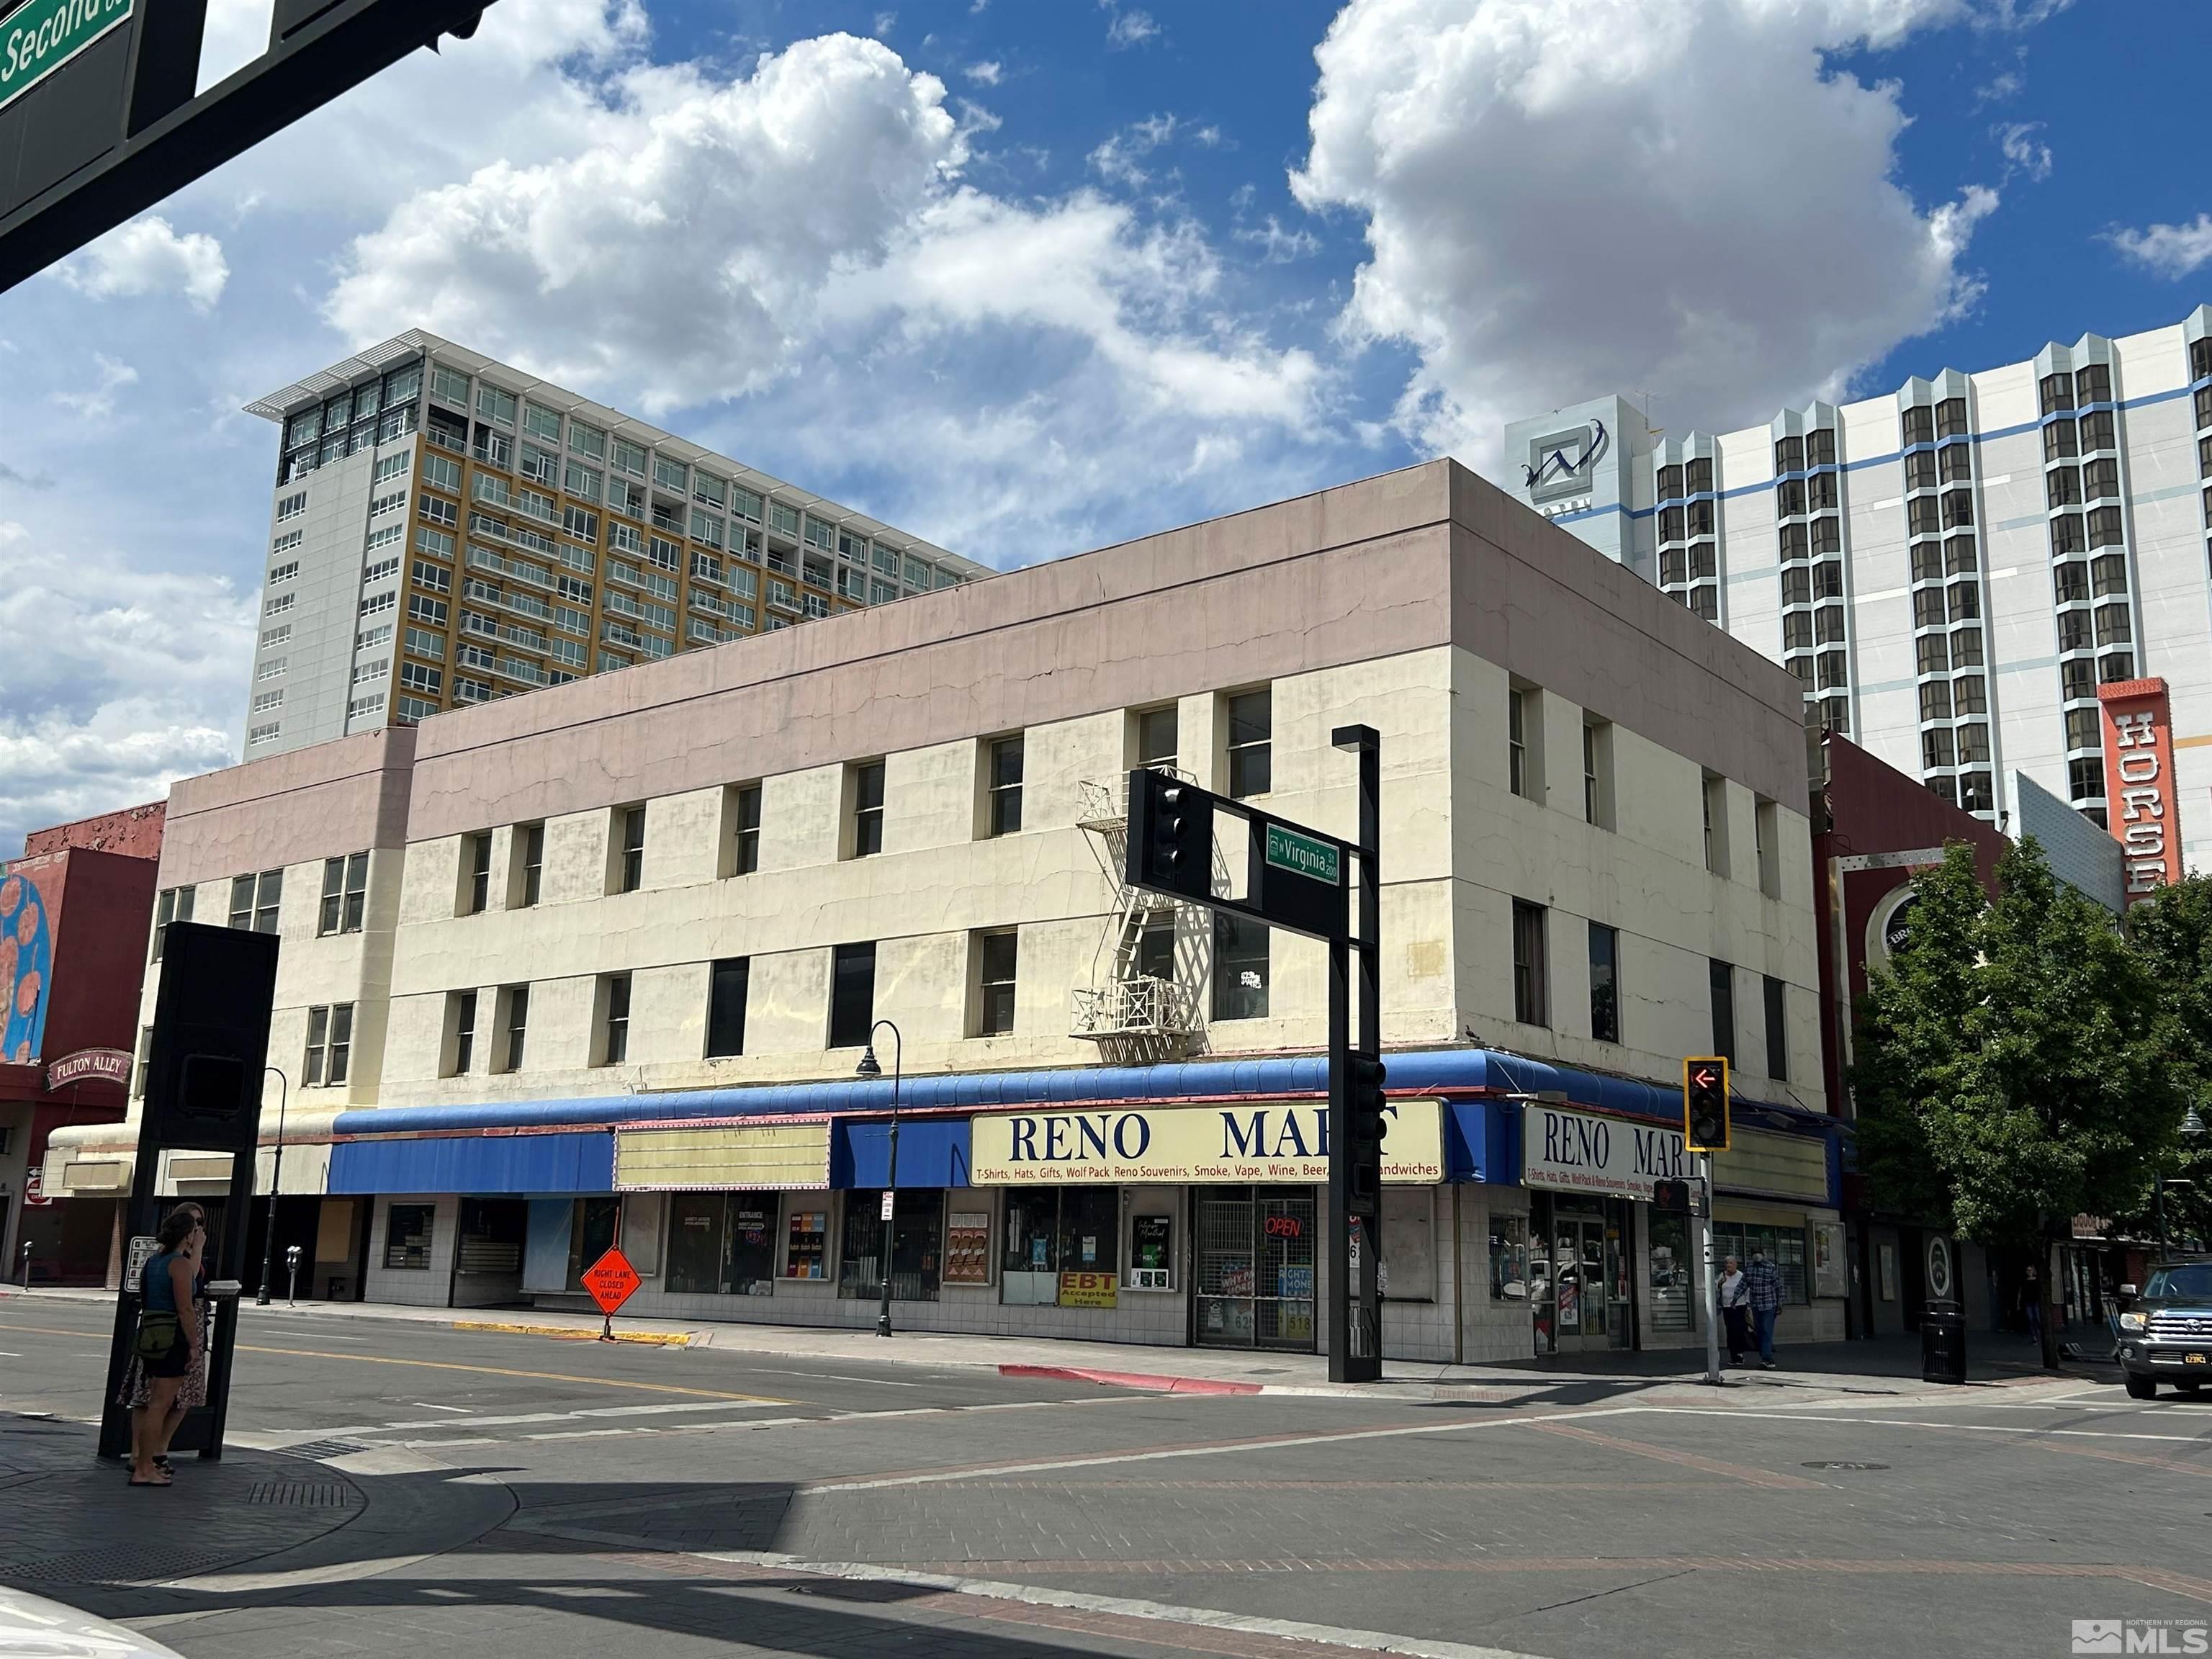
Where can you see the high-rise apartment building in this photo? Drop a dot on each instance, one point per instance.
(447, 530)
(1955, 571)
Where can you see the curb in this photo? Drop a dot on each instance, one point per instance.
(570, 1334)
(1147, 1381)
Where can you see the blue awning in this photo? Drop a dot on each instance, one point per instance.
(476, 1164)
(1440, 1071)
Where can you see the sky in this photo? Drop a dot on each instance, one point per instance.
(1026, 277)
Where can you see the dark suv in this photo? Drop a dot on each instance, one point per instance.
(2165, 1334)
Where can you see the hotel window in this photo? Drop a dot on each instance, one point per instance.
(1531, 975)
(173, 905)
(628, 873)
(1240, 968)
(514, 1025)
(727, 982)
(2057, 392)
(1722, 979)
(479, 873)
(1919, 424)
(1790, 455)
(1821, 447)
(1778, 1031)
(614, 1019)
(496, 406)
(461, 1019)
(329, 1045)
(1604, 982)
(865, 782)
(2093, 385)
(997, 957)
(1951, 418)
(1251, 747)
(1920, 470)
(346, 895)
(851, 995)
(1004, 756)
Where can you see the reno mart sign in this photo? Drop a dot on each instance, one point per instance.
(1582, 1153)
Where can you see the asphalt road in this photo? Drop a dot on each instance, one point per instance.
(713, 1502)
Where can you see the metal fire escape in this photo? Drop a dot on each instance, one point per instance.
(1142, 1004)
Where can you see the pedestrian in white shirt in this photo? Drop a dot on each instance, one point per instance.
(1735, 1309)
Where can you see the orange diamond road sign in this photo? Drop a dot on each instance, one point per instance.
(611, 1281)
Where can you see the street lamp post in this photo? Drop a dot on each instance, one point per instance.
(868, 1067)
(2192, 1129)
(276, 1183)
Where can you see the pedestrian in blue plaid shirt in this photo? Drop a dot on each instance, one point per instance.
(1764, 1280)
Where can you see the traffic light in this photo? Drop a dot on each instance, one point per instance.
(1365, 1124)
(1671, 1197)
(1705, 1103)
(1170, 835)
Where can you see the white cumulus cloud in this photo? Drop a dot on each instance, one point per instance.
(2171, 251)
(146, 256)
(137, 676)
(1566, 201)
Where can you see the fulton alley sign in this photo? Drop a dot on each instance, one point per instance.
(1582, 1153)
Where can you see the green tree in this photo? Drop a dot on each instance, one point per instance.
(2173, 930)
(2014, 1060)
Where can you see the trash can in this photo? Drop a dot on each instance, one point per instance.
(1944, 1343)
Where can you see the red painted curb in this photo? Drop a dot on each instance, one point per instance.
(1151, 1381)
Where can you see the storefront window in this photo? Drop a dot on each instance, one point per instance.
(1254, 1266)
(916, 1245)
(1783, 1246)
(598, 1225)
(1151, 1253)
(722, 1243)
(806, 1244)
(1673, 1270)
(1064, 1231)
(1509, 1258)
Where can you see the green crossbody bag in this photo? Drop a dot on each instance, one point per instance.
(157, 1333)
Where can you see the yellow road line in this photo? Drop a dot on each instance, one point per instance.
(44, 1330)
(501, 1370)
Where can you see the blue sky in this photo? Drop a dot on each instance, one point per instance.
(1028, 278)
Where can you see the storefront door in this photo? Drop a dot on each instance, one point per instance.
(1255, 1267)
(1584, 1280)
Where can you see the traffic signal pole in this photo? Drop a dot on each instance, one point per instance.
(1707, 1278)
(1355, 1308)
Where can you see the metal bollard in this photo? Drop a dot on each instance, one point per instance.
(27, 1264)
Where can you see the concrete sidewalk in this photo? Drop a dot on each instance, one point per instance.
(1883, 1368)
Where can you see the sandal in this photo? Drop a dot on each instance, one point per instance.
(159, 1479)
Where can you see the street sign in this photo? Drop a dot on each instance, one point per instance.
(611, 1281)
(1303, 855)
(47, 33)
(144, 1247)
(886, 1215)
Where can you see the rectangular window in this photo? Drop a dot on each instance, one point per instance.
(1604, 982)
(1722, 979)
(1005, 814)
(614, 1022)
(1597, 773)
(1531, 975)
(1767, 837)
(1158, 741)
(329, 1045)
(1516, 742)
(1251, 746)
(461, 1016)
(479, 887)
(254, 901)
(515, 1026)
(407, 1228)
(851, 995)
(629, 832)
(345, 889)
(174, 904)
(1714, 791)
(995, 1005)
(1777, 1030)
(1240, 968)
(866, 781)
(241, 903)
(745, 811)
(527, 866)
(727, 981)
